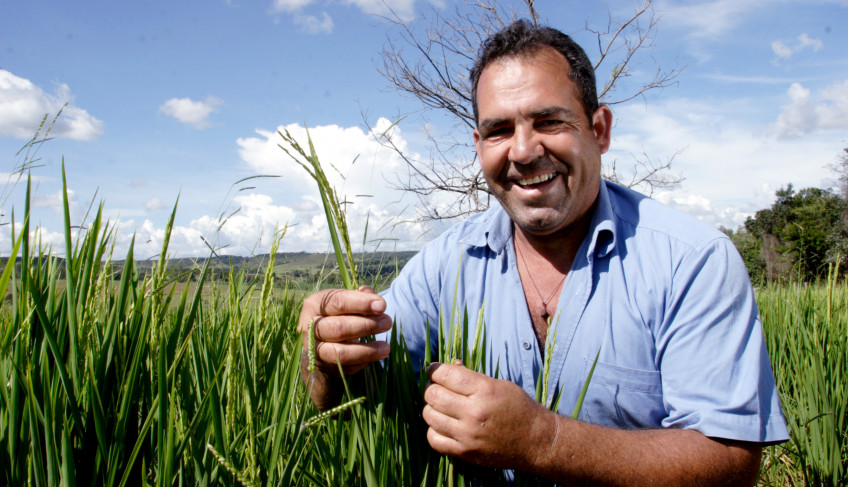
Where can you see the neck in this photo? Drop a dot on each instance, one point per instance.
(557, 248)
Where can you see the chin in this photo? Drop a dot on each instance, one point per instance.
(537, 226)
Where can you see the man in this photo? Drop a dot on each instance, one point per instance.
(683, 393)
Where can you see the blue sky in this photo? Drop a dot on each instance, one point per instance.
(183, 99)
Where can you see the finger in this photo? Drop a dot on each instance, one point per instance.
(445, 401)
(439, 422)
(455, 377)
(444, 444)
(343, 328)
(351, 354)
(440, 433)
(334, 302)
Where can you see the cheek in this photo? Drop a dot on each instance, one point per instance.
(492, 163)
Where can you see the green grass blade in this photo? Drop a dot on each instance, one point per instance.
(579, 405)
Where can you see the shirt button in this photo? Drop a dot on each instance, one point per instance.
(526, 345)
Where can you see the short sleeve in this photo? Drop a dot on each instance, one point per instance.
(715, 369)
(412, 302)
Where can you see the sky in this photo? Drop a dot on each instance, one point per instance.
(168, 104)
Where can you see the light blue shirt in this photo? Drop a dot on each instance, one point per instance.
(665, 298)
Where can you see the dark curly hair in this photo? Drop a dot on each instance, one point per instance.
(522, 38)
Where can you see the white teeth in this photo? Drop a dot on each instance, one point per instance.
(536, 180)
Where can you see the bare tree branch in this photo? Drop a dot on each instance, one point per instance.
(840, 170)
(646, 175)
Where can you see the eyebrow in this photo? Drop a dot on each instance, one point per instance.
(489, 124)
(552, 111)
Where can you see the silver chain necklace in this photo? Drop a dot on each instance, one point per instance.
(545, 315)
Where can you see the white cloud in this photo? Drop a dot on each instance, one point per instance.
(702, 208)
(336, 146)
(23, 106)
(356, 165)
(835, 114)
(710, 18)
(250, 228)
(290, 5)
(807, 41)
(292, 199)
(323, 23)
(190, 112)
(804, 41)
(313, 25)
(309, 23)
(804, 115)
(731, 171)
(405, 9)
(154, 204)
(782, 50)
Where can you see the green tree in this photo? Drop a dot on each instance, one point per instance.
(749, 247)
(801, 234)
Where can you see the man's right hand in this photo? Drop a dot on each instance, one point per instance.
(341, 318)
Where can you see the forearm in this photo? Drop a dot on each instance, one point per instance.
(579, 453)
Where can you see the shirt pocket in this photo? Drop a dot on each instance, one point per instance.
(622, 397)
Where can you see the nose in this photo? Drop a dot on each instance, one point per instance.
(526, 146)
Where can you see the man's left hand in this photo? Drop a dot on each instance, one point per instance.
(483, 420)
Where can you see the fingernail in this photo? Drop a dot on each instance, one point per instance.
(384, 350)
(385, 325)
(378, 306)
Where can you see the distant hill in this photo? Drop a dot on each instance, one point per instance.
(296, 267)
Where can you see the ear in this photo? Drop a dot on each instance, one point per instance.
(477, 142)
(602, 127)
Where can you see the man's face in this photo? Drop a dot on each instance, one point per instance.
(539, 154)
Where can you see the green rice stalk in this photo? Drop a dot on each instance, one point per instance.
(336, 220)
(579, 404)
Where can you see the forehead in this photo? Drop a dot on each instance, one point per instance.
(543, 72)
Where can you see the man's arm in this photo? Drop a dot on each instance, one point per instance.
(340, 319)
(494, 422)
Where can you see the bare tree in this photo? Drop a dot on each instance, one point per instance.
(431, 66)
(840, 170)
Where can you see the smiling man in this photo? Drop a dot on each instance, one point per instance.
(577, 267)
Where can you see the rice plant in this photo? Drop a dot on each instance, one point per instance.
(127, 384)
(806, 329)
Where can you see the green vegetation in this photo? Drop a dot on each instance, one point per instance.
(806, 329)
(298, 270)
(139, 383)
(188, 371)
(800, 236)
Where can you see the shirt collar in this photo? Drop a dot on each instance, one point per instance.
(497, 227)
(602, 227)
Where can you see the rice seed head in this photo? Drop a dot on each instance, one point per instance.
(332, 412)
(311, 350)
(230, 468)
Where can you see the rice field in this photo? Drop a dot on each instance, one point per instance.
(136, 381)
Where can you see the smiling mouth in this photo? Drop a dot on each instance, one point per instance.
(536, 179)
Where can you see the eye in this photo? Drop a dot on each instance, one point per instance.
(497, 132)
